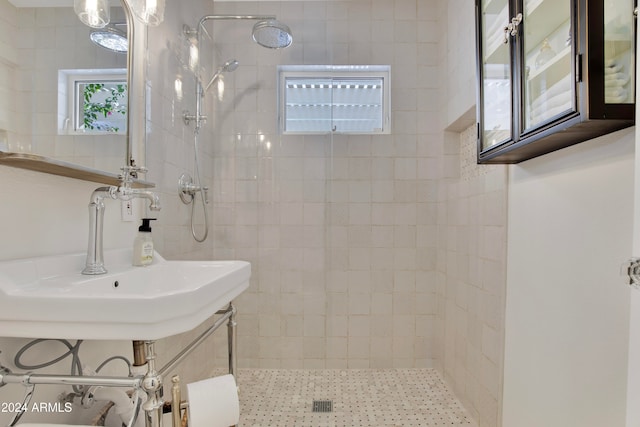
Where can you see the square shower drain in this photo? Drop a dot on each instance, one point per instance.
(322, 406)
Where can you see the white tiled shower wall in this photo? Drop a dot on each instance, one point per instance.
(472, 219)
(341, 231)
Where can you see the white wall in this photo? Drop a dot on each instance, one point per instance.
(633, 375)
(567, 309)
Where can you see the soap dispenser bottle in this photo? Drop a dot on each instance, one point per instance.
(143, 244)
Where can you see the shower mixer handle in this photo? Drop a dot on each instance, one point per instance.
(187, 189)
(188, 118)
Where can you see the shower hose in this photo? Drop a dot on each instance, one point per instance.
(200, 189)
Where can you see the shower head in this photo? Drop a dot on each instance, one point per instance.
(110, 38)
(228, 67)
(272, 34)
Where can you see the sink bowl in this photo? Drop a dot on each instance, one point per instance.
(47, 297)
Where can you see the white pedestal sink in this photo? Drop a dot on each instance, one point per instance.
(47, 297)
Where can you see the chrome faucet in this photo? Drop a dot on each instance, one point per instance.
(95, 254)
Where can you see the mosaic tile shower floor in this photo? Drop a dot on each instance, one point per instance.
(372, 398)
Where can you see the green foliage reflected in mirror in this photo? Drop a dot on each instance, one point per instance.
(104, 106)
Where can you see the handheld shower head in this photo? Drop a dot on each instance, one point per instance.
(228, 67)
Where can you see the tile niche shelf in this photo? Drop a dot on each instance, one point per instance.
(48, 165)
(561, 74)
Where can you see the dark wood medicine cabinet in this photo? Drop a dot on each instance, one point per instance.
(552, 73)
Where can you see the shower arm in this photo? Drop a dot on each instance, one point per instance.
(222, 17)
(196, 32)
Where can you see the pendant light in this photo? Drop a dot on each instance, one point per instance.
(151, 12)
(94, 13)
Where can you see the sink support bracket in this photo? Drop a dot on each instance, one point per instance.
(232, 339)
(227, 314)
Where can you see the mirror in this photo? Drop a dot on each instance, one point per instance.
(42, 57)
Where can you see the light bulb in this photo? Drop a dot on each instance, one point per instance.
(151, 6)
(94, 13)
(151, 12)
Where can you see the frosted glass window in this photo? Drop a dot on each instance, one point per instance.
(334, 99)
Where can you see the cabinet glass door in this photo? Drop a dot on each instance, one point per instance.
(496, 74)
(548, 84)
(618, 52)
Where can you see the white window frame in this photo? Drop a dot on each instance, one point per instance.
(68, 100)
(382, 72)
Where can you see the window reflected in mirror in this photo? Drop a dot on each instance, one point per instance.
(92, 102)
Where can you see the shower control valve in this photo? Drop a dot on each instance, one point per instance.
(188, 118)
(187, 189)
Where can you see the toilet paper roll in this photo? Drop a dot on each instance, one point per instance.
(214, 402)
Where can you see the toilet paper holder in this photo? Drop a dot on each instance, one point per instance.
(178, 416)
(176, 402)
(182, 410)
